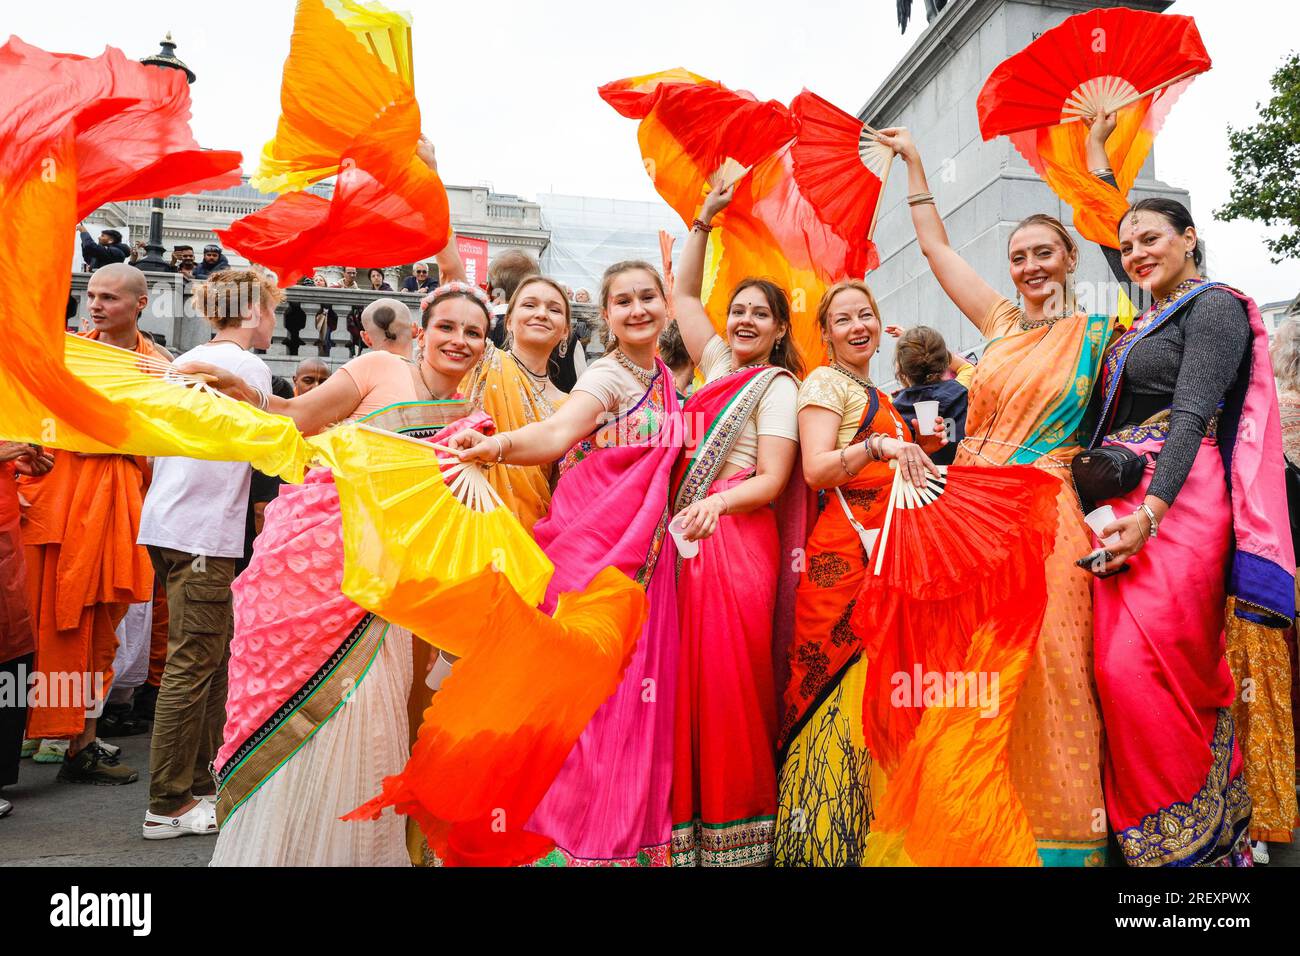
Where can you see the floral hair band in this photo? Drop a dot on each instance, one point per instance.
(456, 287)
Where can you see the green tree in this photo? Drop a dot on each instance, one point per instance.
(1265, 160)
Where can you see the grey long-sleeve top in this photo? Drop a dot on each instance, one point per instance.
(1188, 365)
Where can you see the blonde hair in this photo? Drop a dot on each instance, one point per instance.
(824, 306)
(1285, 353)
(227, 298)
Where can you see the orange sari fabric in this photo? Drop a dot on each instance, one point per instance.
(83, 569)
(1021, 384)
(824, 642)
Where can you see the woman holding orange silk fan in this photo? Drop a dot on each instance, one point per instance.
(849, 435)
(1187, 394)
(740, 449)
(1027, 400)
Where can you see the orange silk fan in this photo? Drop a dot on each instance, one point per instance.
(691, 127)
(77, 132)
(951, 615)
(1103, 61)
(348, 109)
(841, 168)
(514, 705)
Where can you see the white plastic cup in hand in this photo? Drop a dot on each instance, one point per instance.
(1098, 520)
(926, 413)
(687, 549)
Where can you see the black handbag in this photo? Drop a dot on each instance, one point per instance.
(1107, 472)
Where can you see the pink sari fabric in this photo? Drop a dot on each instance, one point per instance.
(1175, 794)
(609, 803)
(724, 784)
(290, 613)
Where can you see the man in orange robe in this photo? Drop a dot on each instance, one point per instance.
(83, 565)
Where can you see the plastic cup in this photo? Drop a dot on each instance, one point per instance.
(926, 413)
(1099, 519)
(687, 549)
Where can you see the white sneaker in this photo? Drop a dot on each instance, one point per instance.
(1259, 850)
(198, 820)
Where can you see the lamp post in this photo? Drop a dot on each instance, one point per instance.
(153, 260)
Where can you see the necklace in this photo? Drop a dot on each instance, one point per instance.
(1029, 324)
(419, 368)
(544, 377)
(865, 383)
(645, 376)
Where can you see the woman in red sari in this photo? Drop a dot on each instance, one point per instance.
(741, 442)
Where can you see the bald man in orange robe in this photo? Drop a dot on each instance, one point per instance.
(83, 565)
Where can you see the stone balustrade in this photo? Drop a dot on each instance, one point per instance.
(172, 322)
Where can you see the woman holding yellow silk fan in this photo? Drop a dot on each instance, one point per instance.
(618, 436)
(1027, 400)
(849, 434)
(740, 450)
(294, 759)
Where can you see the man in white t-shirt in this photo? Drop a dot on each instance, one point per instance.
(193, 523)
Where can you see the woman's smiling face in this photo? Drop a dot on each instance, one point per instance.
(752, 327)
(637, 311)
(454, 338)
(852, 327)
(539, 317)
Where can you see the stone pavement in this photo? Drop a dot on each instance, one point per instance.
(63, 824)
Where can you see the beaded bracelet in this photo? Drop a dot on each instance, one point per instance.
(701, 225)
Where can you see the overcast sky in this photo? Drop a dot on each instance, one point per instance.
(508, 88)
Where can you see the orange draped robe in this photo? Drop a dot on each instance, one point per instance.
(83, 569)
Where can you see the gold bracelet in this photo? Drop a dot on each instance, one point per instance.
(919, 199)
(845, 464)
(501, 448)
(726, 508)
(1101, 171)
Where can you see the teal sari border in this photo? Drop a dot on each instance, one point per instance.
(1061, 424)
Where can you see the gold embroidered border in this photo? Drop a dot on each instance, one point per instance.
(741, 843)
(288, 733)
(1180, 834)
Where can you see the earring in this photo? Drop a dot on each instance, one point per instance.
(1070, 307)
(1187, 254)
(1019, 303)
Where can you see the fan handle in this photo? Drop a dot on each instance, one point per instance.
(1079, 117)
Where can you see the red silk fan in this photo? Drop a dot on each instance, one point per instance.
(1094, 62)
(950, 620)
(841, 168)
(951, 557)
(1119, 61)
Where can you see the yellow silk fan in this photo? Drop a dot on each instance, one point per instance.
(413, 519)
(164, 414)
(386, 33)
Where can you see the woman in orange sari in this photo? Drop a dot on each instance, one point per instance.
(849, 431)
(1027, 400)
(513, 385)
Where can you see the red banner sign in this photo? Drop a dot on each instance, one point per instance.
(474, 253)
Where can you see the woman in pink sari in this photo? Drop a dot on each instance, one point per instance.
(619, 435)
(1189, 387)
(741, 442)
(317, 706)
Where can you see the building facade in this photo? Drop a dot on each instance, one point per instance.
(504, 221)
